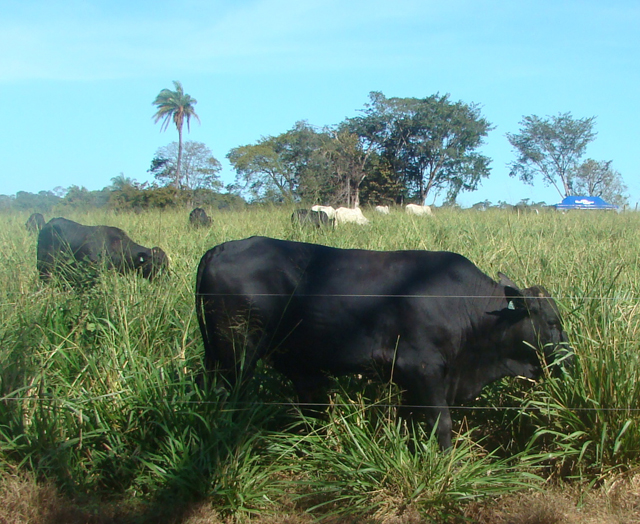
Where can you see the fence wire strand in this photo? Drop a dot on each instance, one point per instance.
(321, 404)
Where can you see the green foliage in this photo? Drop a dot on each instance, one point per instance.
(551, 147)
(430, 143)
(81, 198)
(364, 461)
(137, 197)
(123, 195)
(593, 178)
(403, 145)
(42, 202)
(283, 168)
(176, 106)
(199, 167)
(380, 186)
(99, 386)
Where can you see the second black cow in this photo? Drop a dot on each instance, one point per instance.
(65, 245)
(199, 218)
(309, 217)
(35, 222)
(431, 321)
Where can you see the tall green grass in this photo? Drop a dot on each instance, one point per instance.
(99, 386)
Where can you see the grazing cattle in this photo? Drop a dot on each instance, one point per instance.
(198, 218)
(331, 213)
(305, 217)
(383, 209)
(64, 246)
(431, 321)
(415, 209)
(348, 215)
(35, 222)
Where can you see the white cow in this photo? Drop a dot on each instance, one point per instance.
(345, 214)
(331, 213)
(414, 209)
(383, 209)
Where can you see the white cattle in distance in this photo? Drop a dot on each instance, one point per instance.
(355, 216)
(415, 209)
(383, 209)
(331, 213)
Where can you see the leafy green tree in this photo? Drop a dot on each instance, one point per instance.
(135, 196)
(283, 168)
(551, 147)
(81, 198)
(594, 178)
(261, 172)
(347, 159)
(176, 106)
(430, 143)
(6, 202)
(43, 201)
(200, 169)
(303, 149)
(380, 186)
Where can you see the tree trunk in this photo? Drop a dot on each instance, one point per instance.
(178, 164)
(567, 189)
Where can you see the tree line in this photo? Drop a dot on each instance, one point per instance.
(124, 194)
(395, 150)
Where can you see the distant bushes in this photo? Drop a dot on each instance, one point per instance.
(134, 197)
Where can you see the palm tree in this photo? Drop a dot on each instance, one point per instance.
(176, 106)
(118, 183)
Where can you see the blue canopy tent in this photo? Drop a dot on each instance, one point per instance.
(584, 202)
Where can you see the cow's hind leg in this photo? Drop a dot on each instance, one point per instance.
(232, 346)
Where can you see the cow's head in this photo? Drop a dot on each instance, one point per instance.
(151, 262)
(535, 326)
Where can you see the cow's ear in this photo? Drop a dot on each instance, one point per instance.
(141, 258)
(506, 281)
(515, 298)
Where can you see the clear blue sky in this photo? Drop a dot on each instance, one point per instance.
(78, 78)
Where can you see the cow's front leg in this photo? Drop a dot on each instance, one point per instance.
(425, 397)
(435, 412)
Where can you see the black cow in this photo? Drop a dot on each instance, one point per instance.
(308, 217)
(199, 218)
(431, 321)
(64, 244)
(35, 222)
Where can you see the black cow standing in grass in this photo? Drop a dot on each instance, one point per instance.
(199, 218)
(431, 321)
(64, 246)
(307, 217)
(35, 223)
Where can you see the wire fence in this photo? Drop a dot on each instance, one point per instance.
(365, 295)
(86, 400)
(537, 407)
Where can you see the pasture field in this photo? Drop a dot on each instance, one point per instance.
(99, 400)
